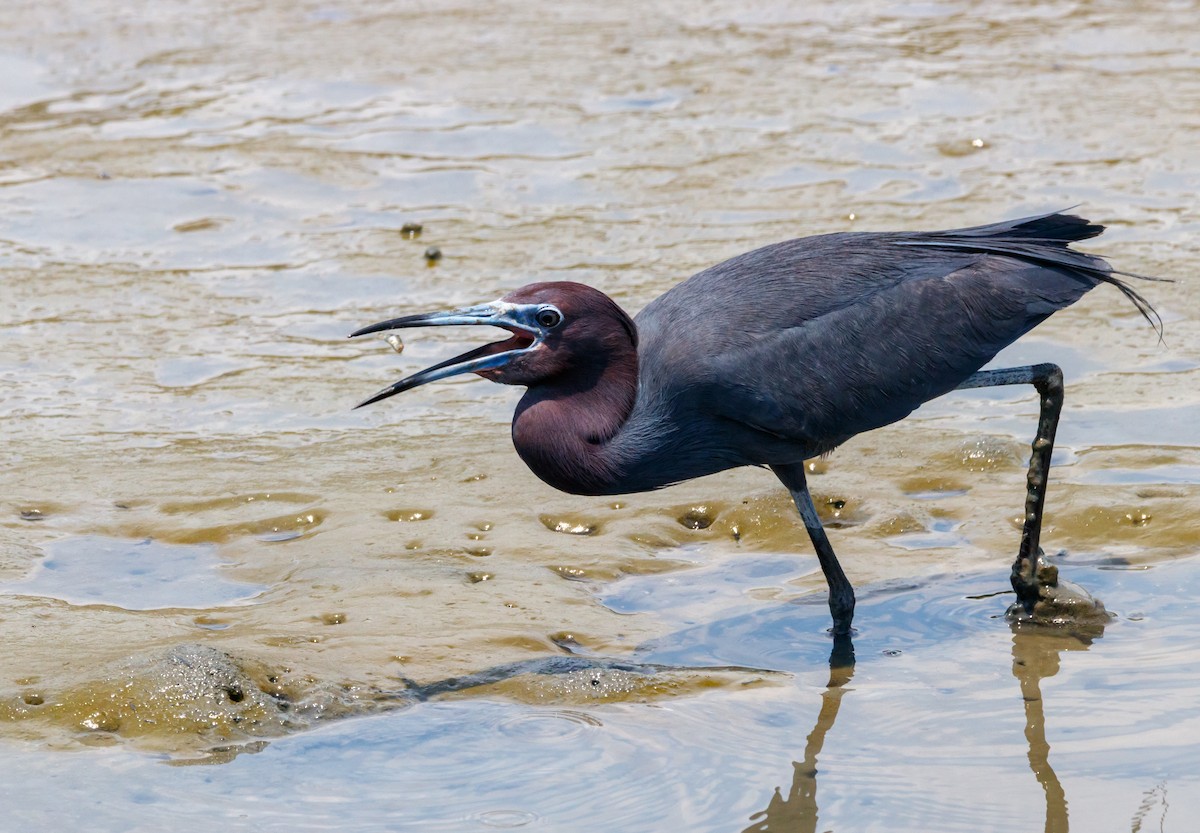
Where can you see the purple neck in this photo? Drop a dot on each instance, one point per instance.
(562, 429)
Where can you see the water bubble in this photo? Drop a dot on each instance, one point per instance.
(697, 517)
(407, 515)
(569, 526)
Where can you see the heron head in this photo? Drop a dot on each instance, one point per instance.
(557, 328)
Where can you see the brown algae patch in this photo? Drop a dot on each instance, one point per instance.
(193, 702)
(980, 454)
(901, 523)
(765, 522)
(234, 502)
(201, 224)
(572, 680)
(188, 698)
(620, 683)
(223, 519)
(933, 486)
(605, 572)
(1165, 522)
(275, 529)
(199, 703)
(1086, 516)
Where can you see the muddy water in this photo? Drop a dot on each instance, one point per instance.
(198, 203)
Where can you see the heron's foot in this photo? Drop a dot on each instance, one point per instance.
(1044, 598)
(841, 658)
(842, 626)
(842, 611)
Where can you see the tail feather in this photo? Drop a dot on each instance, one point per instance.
(1054, 229)
(1043, 240)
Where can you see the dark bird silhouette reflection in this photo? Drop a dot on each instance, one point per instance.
(1036, 657)
(797, 813)
(1036, 653)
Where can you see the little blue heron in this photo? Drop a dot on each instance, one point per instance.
(780, 355)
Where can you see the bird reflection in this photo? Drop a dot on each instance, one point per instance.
(798, 812)
(1035, 658)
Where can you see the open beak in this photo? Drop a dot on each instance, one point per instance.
(518, 319)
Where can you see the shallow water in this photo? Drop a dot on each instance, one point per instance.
(948, 722)
(198, 203)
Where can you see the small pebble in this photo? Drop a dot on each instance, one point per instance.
(32, 515)
(411, 231)
(396, 342)
(433, 254)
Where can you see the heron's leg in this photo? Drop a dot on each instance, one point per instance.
(1048, 381)
(841, 593)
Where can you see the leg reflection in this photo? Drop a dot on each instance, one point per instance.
(1035, 658)
(797, 813)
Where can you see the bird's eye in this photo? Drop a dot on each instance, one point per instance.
(549, 317)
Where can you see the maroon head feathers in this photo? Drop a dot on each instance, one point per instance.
(591, 333)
